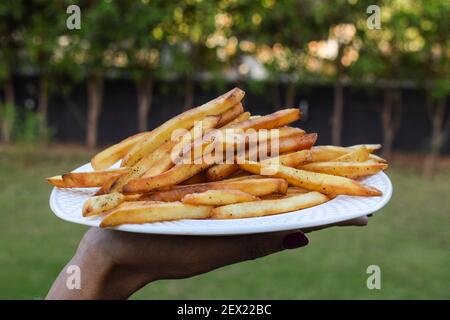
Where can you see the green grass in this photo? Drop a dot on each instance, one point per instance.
(409, 239)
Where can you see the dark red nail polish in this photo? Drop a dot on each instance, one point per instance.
(295, 240)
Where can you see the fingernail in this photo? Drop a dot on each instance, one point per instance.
(295, 240)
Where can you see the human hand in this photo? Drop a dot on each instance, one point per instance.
(115, 264)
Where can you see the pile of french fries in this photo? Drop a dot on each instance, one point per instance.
(152, 185)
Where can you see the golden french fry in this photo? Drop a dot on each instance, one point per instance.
(111, 155)
(218, 197)
(321, 182)
(91, 179)
(148, 211)
(296, 190)
(160, 160)
(242, 117)
(360, 154)
(198, 178)
(57, 181)
(329, 153)
(294, 159)
(106, 187)
(351, 170)
(176, 175)
(270, 121)
(230, 115)
(101, 204)
(370, 147)
(286, 144)
(185, 120)
(257, 187)
(269, 207)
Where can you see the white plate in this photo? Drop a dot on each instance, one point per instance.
(67, 204)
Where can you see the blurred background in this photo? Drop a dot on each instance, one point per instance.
(76, 78)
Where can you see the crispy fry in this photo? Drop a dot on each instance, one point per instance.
(351, 170)
(198, 178)
(230, 114)
(100, 204)
(218, 197)
(370, 147)
(328, 153)
(273, 120)
(111, 155)
(148, 211)
(358, 154)
(160, 160)
(257, 187)
(321, 182)
(286, 144)
(294, 159)
(269, 207)
(183, 121)
(91, 179)
(176, 175)
(242, 117)
(57, 181)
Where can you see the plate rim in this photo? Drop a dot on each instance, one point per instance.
(242, 229)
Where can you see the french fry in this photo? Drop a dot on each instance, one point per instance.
(185, 120)
(148, 211)
(99, 204)
(269, 207)
(270, 121)
(230, 114)
(370, 147)
(296, 190)
(329, 153)
(218, 197)
(176, 175)
(351, 170)
(106, 187)
(360, 154)
(242, 117)
(286, 144)
(103, 203)
(57, 181)
(111, 155)
(257, 187)
(321, 182)
(293, 159)
(160, 160)
(91, 179)
(198, 178)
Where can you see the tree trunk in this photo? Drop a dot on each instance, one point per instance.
(438, 123)
(189, 92)
(386, 122)
(95, 96)
(9, 90)
(391, 112)
(338, 110)
(43, 100)
(289, 101)
(144, 89)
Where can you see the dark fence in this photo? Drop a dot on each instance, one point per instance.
(119, 113)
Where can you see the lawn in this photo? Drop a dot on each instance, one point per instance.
(409, 239)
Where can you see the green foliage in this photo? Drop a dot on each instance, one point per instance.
(25, 127)
(8, 117)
